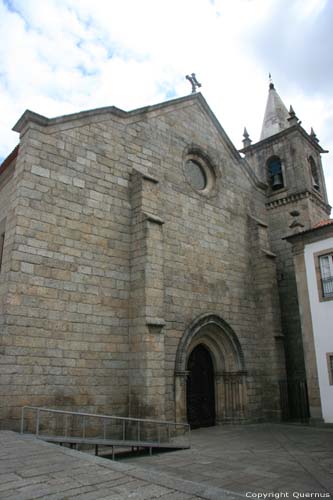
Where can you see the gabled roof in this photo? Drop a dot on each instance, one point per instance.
(322, 229)
(323, 223)
(8, 161)
(30, 116)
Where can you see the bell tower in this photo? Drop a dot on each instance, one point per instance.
(288, 160)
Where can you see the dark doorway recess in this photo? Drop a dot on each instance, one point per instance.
(294, 400)
(200, 388)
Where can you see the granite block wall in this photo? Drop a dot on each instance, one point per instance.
(113, 254)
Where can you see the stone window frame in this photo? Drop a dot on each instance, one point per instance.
(2, 240)
(283, 173)
(317, 255)
(198, 156)
(329, 358)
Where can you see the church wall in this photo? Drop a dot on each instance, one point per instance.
(207, 250)
(280, 219)
(84, 248)
(67, 306)
(6, 226)
(6, 185)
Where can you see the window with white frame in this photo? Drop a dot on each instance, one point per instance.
(330, 367)
(326, 274)
(2, 241)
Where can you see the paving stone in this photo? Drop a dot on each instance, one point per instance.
(263, 457)
(68, 474)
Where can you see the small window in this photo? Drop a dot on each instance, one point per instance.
(314, 174)
(326, 275)
(330, 367)
(2, 241)
(199, 172)
(275, 173)
(195, 175)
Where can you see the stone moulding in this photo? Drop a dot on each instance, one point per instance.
(148, 177)
(296, 197)
(229, 368)
(268, 253)
(153, 218)
(155, 325)
(193, 330)
(258, 221)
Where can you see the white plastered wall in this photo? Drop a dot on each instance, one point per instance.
(322, 323)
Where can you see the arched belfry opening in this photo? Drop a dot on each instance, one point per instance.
(275, 173)
(314, 174)
(210, 374)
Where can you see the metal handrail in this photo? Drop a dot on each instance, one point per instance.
(139, 421)
(51, 410)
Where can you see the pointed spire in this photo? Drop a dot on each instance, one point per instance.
(246, 141)
(276, 113)
(313, 135)
(293, 120)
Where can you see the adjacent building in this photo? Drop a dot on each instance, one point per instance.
(313, 258)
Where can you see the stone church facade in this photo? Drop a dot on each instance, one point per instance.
(143, 267)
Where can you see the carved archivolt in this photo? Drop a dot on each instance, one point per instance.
(219, 338)
(229, 367)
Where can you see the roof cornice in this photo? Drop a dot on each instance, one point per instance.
(296, 196)
(32, 117)
(320, 232)
(9, 160)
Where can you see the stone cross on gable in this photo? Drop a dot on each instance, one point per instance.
(194, 82)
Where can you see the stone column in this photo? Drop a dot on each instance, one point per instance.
(268, 320)
(220, 396)
(234, 392)
(180, 395)
(146, 308)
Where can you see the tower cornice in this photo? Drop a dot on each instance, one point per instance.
(292, 198)
(269, 140)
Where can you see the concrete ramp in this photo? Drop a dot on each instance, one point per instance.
(79, 428)
(32, 469)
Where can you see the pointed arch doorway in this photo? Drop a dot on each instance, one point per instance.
(210, 375)
(200, 391)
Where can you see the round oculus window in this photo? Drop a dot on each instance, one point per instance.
(195, 175)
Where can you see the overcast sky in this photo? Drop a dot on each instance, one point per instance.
(64, 56)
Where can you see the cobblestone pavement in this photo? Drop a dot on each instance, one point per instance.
(31, 469)
(254, 458)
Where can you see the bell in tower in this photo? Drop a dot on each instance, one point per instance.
(275, 173)
(277, 181)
